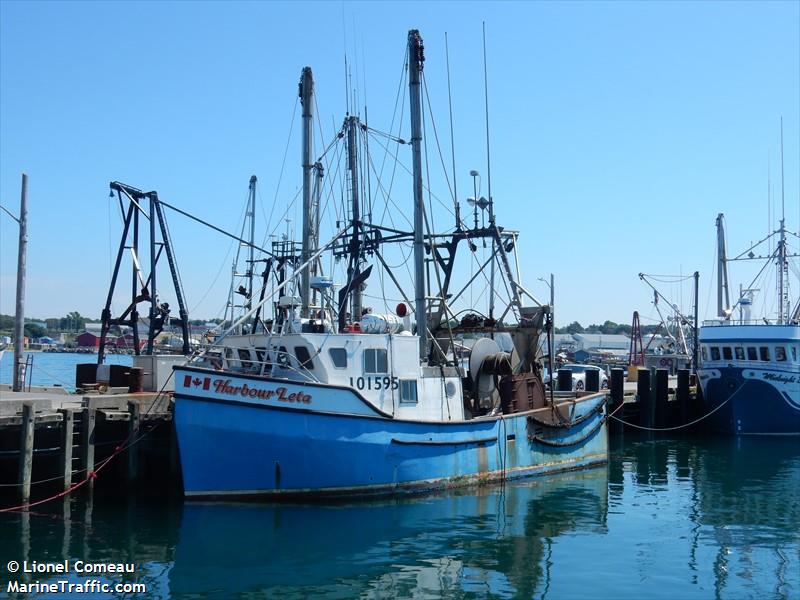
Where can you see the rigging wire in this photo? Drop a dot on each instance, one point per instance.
(283, 165)
(436, 137)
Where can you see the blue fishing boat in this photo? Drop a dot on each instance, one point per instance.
(328, 398)
(750, 367)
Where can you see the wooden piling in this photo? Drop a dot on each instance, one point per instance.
(67, 441)
(26, 451)
(683, 395)
(564, 380)
(592, 380)
(662, 393)
(133, 426)
(617, 399)
(66, 518)
(87, 441)
(645, 398)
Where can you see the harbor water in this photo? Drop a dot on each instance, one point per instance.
(696, 517)
(55, 368)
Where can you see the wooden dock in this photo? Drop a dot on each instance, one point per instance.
(655, 403)
(58, 439)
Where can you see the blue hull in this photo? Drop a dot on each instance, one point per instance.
(749, 406)
(251, 449)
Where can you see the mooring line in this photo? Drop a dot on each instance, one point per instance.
(705, 416)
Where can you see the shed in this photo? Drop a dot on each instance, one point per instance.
(88, 340)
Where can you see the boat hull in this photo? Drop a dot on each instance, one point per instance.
(751, 401)
(243, 445)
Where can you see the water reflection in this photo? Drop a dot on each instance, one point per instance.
(712, 518)
(494, 540)
(739, 503)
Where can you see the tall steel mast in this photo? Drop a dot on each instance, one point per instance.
(723, 295)
(355, 240)
(307, 99)
(416, 58)
(251, 214)
(783, 265)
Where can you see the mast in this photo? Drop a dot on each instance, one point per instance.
(695, 333)
(251, 214)
(355, 240)
(316, 266)
(416, 57)
(783, 300)
(723, 296)
(306, 99)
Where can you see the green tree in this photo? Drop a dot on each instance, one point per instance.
(33, 331)
(574, 327)
(74, 321)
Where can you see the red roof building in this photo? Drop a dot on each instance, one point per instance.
(88, 340)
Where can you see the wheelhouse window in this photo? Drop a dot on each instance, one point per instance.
(283, 357)
(408, 391)
(303, 357)
(375, 361)
(704, 352)
(230, 359)
(726, 353)
(244, 358)
(794, 353)
(739, 352)
(752, 353)
(338, 357)
(714, 353)
(780, 353)
(764, 352)
(264, 362)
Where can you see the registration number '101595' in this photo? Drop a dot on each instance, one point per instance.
(374, 383)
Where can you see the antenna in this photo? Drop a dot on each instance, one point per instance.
(489, 174)
(486, 102)
(783, 201)
(452, 140)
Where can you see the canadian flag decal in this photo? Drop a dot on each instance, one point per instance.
(188, 381)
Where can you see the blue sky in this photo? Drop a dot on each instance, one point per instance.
(618, 131)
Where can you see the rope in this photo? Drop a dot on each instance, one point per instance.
(97, 467)
(555, 444)
(705, 416)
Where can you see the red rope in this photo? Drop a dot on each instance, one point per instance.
(90, 475)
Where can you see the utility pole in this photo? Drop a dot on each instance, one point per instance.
(19, 318)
